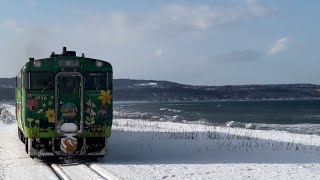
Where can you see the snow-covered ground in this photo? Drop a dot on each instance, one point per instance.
(14, 162)
(142, 149)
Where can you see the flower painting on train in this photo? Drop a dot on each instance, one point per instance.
(103, 112)
(32, 104)
(105, 97)
(50, 115)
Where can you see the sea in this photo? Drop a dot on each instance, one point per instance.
(296, 116)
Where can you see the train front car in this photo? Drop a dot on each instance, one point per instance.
(64, 105)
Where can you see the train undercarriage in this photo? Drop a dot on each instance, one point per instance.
(67, 146)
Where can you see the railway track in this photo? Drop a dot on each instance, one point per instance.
(80, 171)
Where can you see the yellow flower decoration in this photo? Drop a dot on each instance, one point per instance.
(105, 97)
(51, 115)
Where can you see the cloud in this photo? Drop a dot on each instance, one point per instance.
(126, 37)
(158, 52)
(28, 40)
(11, 24)
(279, 46)
(203, 17)
(239, 56)
(194, 17)
(168, 21)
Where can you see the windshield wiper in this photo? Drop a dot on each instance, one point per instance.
(47, 86)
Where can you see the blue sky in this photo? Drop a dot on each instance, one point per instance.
(204, 42)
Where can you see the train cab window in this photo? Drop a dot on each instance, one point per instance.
(67, 84)
(39, 80)
(98, 81)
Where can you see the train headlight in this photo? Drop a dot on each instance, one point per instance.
(99, 64)
(37, 64)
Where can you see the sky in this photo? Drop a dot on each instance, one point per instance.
(203, 42)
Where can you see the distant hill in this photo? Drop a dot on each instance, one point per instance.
(150, 90)
(7, 89)
(7, 82)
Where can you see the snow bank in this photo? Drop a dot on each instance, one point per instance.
(7, 113)
(140, 149)
(136, 140)
(205, 134)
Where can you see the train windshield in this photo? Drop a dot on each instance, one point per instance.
(68, 84)
(39, 80)
(98, 81)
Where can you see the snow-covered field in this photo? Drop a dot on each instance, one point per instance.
(142, 149)
(14, 162)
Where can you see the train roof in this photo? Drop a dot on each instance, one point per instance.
(66, 61)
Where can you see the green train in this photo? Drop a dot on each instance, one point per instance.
(64, 105)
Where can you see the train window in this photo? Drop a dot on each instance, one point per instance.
(39, 80)
(101, 81)
(109, 79)
(98, 81)
(90, 81)
(67, 84)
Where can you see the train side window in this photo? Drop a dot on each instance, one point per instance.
(110, 80)
(18, 80)
(25, 80)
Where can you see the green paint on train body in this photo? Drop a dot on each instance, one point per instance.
(64, 89)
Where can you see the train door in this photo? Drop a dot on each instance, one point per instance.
(69, 93)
